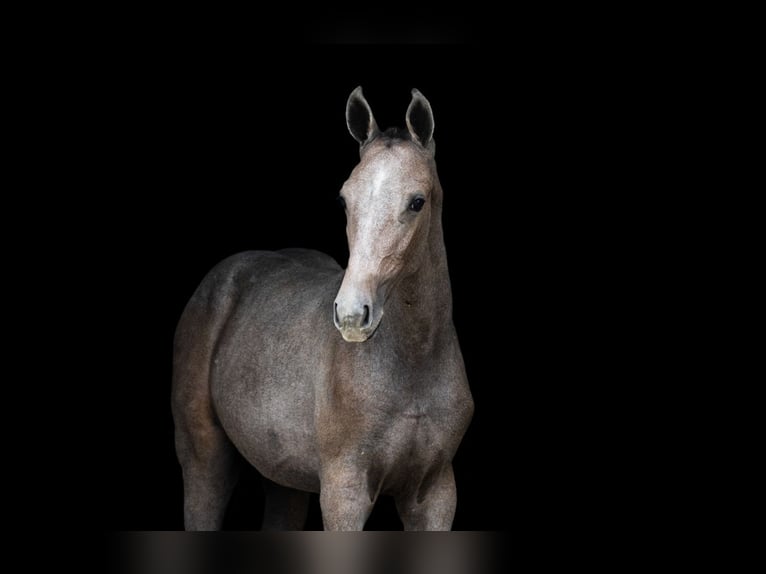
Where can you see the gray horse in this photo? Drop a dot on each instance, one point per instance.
(350, 384)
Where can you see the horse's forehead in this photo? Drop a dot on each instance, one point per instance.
(386, 164)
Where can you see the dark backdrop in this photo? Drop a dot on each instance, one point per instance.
(216, 156)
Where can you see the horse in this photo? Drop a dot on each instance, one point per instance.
(349, 384)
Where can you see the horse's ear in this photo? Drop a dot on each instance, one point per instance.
(359, 117)
(420, 119)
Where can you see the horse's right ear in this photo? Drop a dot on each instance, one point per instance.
(359, 118)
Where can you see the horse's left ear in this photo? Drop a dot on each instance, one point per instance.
(420, 119)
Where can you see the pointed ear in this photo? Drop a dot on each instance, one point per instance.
(359, 118)
(420, 119)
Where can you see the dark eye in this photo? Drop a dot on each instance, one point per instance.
(341, 202)
(417, 204)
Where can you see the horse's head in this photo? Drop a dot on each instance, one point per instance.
(388, 200)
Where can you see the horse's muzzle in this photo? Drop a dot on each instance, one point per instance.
(355, 322)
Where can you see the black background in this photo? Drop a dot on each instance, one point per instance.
(216, 155)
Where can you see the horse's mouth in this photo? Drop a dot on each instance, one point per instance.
(359, 334)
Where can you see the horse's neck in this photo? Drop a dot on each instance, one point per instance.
(422, 301)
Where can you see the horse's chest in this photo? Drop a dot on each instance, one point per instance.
(398, 423)
(413, 437)
(408, 449)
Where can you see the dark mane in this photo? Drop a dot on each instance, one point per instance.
(394, 135)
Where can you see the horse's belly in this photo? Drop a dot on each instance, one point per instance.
(272, 428)
(284, 455)
(268, 360)
(263, 393)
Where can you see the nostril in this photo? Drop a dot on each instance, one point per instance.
(366, 321)
(335, 314)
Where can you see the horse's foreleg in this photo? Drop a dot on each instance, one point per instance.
(345, 498)
(433, 508)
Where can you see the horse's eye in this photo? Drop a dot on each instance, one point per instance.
(341, 202)
(417, 204)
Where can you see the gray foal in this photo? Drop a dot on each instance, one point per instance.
(347, 383)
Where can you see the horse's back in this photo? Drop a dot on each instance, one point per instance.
(256, 271)
(267, 328)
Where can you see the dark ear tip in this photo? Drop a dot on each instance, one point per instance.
(417, 96)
